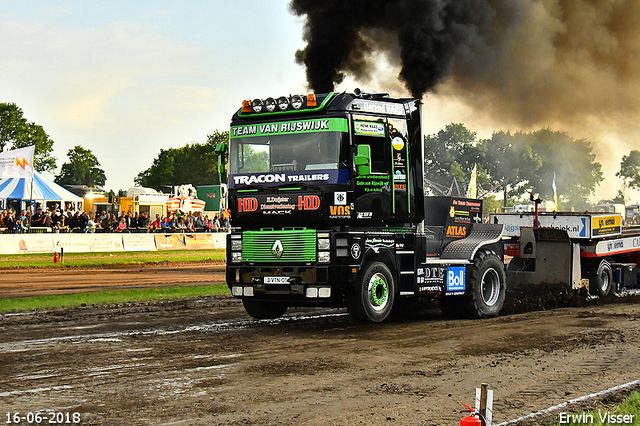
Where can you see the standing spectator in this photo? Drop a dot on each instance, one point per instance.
(9, 222)
(136, 221)
(156, 225)
(74, 222)
(37, 220)
(107, 223)
(216, 224)
(200, 222)
(166, 224)
(83, 219)
(91, 225)
(122, 225)
(180, 225)
(48, 220)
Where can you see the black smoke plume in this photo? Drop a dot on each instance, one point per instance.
(528, 62)
(423, 35)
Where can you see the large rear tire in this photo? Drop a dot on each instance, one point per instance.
(488, 285)
(486, 289)
(259, 309)
(373, 296)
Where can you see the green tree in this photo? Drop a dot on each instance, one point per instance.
(507, 158)
(195, 164)
(573, 161)
(449, 154)
(630, 169)
(17, 132)
(83, 168)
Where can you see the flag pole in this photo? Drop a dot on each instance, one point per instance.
(31, 203)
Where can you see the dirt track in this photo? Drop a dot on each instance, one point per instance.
(203, 362)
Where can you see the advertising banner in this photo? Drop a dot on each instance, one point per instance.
(219, 240)
(170, 242)
(105, 242)
(199, 241)
(139, 242)
(7, 244)
(34, 243)
(71, 243)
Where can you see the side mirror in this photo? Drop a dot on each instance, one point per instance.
(220, 148)
(222, 169)
(363, 160)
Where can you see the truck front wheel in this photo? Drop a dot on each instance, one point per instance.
(259, 309)
(373, 295)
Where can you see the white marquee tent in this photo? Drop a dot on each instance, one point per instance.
(20, 188)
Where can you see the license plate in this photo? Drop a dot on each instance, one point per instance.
(276, 280)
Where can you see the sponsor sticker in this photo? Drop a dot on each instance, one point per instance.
(456, 278)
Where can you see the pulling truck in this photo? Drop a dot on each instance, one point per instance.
(327, 206)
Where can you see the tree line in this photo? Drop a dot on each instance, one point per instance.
(512, 163)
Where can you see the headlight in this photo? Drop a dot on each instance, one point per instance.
(256, 105)
(236, 257)
(283, 103)
(270, 104)
(296, 101)
(323, 257)
(236, 245)
(324, 244)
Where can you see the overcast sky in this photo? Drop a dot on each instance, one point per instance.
(128, 78)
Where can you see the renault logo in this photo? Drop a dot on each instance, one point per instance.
(277, 249)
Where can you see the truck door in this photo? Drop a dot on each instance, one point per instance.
(399, 147)
(373, 192)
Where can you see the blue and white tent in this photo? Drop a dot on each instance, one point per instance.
(19, 188)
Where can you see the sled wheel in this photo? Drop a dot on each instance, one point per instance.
(601, 283)
(374, 293)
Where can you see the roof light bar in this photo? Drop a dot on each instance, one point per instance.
(283, 103)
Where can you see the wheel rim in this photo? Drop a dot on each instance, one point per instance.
(604, 280)
(490, 287)
(378, 291)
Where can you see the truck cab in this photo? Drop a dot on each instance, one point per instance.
(327, 207)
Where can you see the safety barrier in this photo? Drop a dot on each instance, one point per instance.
(80, 243)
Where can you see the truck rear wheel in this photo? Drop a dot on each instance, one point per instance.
(488, 285)
(601, 283)
(259, 309)
(486, 289)
(374, 293)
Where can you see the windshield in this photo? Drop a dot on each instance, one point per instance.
(286, 152)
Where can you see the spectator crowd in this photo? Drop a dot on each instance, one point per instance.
(87, 222)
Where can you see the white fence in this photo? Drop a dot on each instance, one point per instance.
(81, 243)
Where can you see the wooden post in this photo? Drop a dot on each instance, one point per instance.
(483, 399)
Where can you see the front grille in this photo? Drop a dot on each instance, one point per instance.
(282, 246)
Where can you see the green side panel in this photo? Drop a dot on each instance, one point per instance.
(297, 245)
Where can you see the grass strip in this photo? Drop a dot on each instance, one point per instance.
(73, 260)
(630, 406)
(34, 303)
